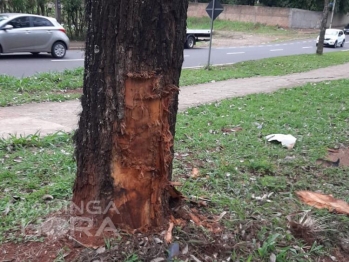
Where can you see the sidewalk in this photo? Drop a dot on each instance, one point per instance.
(50, 117)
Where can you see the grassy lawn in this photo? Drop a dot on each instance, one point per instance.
(247, 28)
(67, 85)
(234, 169)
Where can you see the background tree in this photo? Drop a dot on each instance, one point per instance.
(124, 143)
(74, 18)
(320, 46)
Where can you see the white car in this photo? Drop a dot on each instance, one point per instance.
(333, 37)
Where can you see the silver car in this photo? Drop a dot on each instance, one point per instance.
(32, 33)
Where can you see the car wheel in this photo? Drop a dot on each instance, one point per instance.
(190, 42)
(58, 50)
(335, 44)
(35, 53)
(343, 43)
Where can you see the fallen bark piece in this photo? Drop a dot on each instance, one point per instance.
(286, 140)
(195, 218)
(168, 235)
(324, 201)
(174, 183)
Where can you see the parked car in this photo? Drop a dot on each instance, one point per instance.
(346, 29)
(333, 37)
(32, 33)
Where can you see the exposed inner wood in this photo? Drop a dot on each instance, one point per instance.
(141, 155)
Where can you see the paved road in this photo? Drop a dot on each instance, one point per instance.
(21, 65)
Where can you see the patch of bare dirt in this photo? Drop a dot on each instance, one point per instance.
(190, 242)
(336, 157)
(341, 154)
(60, 239)
(46, 251)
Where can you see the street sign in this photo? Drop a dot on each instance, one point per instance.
(213, 9)
(217, 9)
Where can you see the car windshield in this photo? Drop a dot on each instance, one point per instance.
(331, 32)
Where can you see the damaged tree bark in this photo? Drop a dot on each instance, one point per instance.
(124, 143)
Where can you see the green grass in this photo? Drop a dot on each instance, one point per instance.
(42, 87)
(226, 25)
(235, 168)
(243, 27)
(31, 168)
(61, 86)
(276, 66)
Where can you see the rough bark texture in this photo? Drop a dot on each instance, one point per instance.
(124, 143)
(320, 46)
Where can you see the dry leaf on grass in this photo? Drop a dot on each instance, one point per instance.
(324, 201)
(231, 129)
(195, 173)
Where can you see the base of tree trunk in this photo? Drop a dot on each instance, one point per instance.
(137, 194)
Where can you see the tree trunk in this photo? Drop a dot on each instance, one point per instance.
(320, 46)
(124, 143)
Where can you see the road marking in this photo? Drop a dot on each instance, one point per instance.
(273, 50)
(345, 50)
(235, 53)
(307, 47)
(68, 60)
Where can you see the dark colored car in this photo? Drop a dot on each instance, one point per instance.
(346, 29)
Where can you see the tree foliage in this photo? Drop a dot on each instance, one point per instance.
(72, 12)
(24, 6)
(74, 17)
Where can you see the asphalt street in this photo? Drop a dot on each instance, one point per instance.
(22, 65)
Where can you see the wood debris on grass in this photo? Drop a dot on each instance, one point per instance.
(322, 201)
(168, 235)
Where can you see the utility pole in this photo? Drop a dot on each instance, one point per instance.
(333, 6)
(58, 9)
